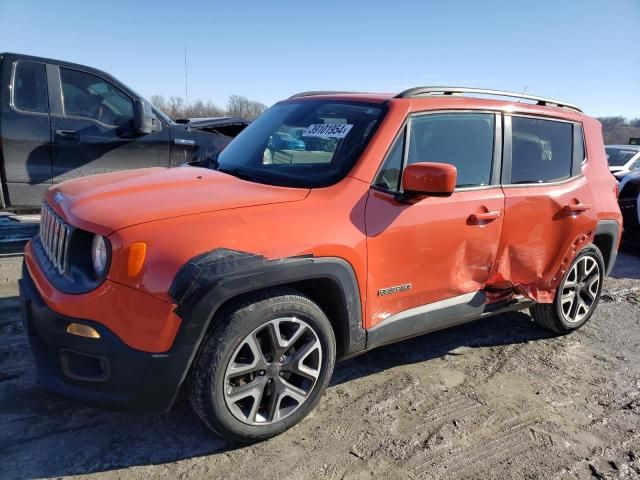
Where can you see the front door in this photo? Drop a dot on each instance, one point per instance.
(26, 133)
(435, 249)
(94, 132)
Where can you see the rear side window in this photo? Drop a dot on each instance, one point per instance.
(541, 150)
(30, 87)
(464, 140)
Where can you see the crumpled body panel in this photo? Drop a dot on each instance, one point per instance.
(540, 238)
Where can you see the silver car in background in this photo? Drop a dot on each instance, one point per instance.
(622, 159)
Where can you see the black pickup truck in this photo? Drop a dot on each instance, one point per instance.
(60, 120)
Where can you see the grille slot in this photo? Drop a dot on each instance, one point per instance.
(54, 237)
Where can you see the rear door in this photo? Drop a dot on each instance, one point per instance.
(93, 131)
(26, 132)
(548, 203)
(434, 250)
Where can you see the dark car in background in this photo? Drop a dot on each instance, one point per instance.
(629, 201)
(60, 120)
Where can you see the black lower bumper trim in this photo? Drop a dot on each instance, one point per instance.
(120, 376)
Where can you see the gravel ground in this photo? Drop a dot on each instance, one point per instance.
(499, 398)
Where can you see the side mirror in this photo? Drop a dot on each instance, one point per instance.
(427, 178)
(144, 121)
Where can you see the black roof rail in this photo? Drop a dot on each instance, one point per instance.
(436, 91)
(313, 93)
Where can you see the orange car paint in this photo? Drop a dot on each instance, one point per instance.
(142, 321)
(442, 245)
(436, 178)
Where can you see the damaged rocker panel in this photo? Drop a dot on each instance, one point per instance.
(439, 315)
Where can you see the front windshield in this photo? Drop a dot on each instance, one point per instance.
(618, 157)
(306, 143)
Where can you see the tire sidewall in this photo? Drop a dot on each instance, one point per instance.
(230, 339)
(593, 252)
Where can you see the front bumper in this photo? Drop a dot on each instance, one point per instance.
(103, 372)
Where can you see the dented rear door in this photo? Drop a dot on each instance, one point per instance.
(549, 208)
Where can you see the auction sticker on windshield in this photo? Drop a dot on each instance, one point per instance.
(327, 130)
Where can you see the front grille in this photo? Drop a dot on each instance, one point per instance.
(54, 236)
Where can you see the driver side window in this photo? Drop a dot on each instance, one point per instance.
(88, 96)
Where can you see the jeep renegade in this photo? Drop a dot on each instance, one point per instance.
(381, 218)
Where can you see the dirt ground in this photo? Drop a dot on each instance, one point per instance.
(499, 398)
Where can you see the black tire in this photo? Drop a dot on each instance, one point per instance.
(551, 316)
(230, 332)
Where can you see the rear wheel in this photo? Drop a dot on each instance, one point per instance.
(577, 296)
(264, 366)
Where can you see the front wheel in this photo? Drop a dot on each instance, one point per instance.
(264, 366)
(577, 296)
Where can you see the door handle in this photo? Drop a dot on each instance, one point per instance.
(478, 218)
(71, 134)
(576, 207)
(184, 142)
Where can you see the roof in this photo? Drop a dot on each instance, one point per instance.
(496, 98)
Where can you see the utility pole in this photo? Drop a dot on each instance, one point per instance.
(186, 80)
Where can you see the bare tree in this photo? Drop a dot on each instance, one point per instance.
(237, 106)
(175, 107)
(619, 130)
(609, 122)
(213, 110)
(159, 102)
(255, 109)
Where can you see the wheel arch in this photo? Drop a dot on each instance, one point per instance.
(211, 282)
(606, 238)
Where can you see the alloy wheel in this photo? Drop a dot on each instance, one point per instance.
(273, 371)
(580, 289)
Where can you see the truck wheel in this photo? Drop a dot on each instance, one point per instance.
(577, 296)
(263, 366)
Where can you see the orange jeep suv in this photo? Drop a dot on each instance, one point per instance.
(381, 217)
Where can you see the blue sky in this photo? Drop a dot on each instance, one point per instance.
(581, 51)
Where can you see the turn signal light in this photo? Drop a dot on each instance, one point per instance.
(82, 330)
(137, 254)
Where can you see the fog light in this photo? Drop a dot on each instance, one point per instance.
(82, 330)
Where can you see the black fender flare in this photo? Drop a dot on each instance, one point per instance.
(609, 230)
(207, 281)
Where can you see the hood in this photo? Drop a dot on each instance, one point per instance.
(108, 202)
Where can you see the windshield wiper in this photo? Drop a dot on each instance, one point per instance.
(238, 173)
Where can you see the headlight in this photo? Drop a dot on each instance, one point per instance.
(99, 255)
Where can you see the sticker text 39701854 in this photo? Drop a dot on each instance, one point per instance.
(327, 130)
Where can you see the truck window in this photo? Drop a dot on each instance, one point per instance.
(30, 87)
(85, 95)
